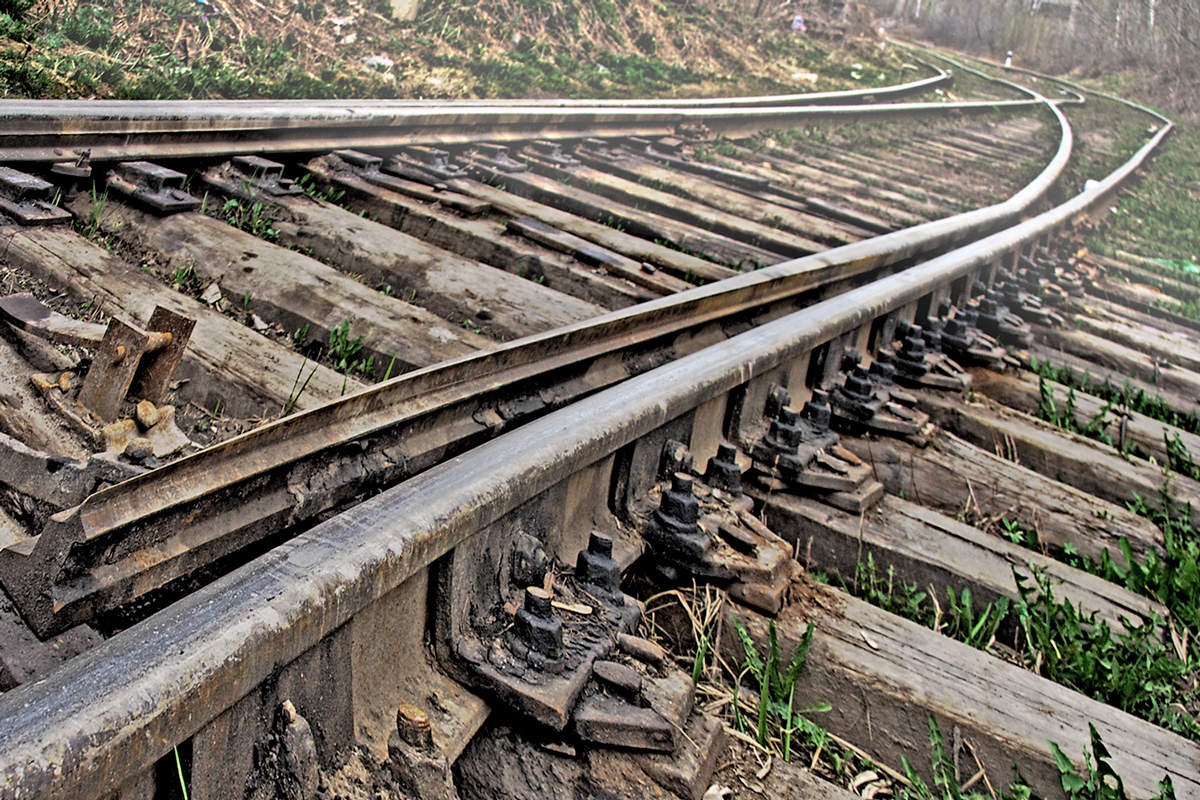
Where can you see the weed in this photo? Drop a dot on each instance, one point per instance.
(469, 325)
(344, 352)
(945, 776)
(958, 618)
(185, 279)
(329, 194)
(1172, 578)
(1179, 458)
(179, 771)
(91, 226)
(300, 336)
(1099, 780)
(616, 223)
(252, 217)
(298, 388)
(1124, 396)
(210, 417)
(388, 372)
(776, 687)
(1018, 534)
(1096, 428)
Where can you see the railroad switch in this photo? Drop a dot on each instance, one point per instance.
(152, 185)
(266, 176)
(28, 199)
(64, 575)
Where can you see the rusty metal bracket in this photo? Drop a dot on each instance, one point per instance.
(26, 312)
(553, 153)
(157, 187)
(709, 531)
(27, 199)
(425, 164)
(859, 405)
(496, 157)
(800, 451)
(70, 175)
(129, 360)
(126, 360)
(266, 175)
(920, 363)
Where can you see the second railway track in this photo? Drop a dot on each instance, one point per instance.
(416, 545)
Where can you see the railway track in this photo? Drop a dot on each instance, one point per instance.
(586, 306)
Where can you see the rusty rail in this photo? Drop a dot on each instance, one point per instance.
(361, 443)
(108, 715)
(56, 130)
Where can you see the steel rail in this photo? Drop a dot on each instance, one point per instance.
(1075, 88)
(209, 491)
(192, 109)
(32, 132)
(110, 713)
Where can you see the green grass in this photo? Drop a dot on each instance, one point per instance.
(1130, 668)
(1164, 209)
(609, 74)
(1067, 418)
(774, 722)
(345, 352)
(1124, 396)
(959, 618)
(80, 49)
(1179, 458)
(174, 49)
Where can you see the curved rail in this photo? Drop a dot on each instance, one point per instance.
(54, 130)
(199, 493)
(110, 713)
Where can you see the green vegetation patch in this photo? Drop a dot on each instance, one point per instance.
(1163, 211)
(175, 49)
